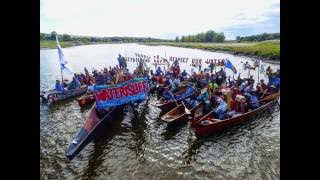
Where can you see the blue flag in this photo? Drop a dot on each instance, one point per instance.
(230, 66)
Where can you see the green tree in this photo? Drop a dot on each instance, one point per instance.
(183, 39)
(209, 36)
(177, 39)
(53, 35)
(238, 39)
(66, 37)
(220, 37)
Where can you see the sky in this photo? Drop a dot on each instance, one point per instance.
(163, 19)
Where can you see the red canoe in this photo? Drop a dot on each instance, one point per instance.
(207, 125)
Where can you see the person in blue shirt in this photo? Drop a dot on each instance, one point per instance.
(59, 87)
(167, 95)
(221, 109)
(100, 79)
(243, 86)
(184, 74)
(75, 83)
(253, 102)
(249, 88)
(159, 72)
(175, 85)
(120, 61)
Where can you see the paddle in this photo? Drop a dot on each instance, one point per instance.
(185, 108)
(173, 98)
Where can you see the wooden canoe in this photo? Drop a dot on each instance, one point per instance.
(92, 125)
(178, 114)
(53, 96)
(165, 106)
(207, 125)
(86, 100)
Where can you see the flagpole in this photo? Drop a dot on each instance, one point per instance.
(58, 44)
(259, 70)
(61, 76)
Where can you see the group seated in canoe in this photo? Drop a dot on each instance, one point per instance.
(221, 96)
(74, 84)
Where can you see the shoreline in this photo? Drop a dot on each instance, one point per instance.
(228, 50)
(67, 44)
(263, 59)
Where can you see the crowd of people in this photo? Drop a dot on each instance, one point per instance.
(105, 76)
(209, 85)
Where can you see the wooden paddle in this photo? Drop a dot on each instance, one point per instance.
(185, 108)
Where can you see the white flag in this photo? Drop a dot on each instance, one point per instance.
(63, 62)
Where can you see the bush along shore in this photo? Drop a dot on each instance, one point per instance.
(45, 44)
(267, 50)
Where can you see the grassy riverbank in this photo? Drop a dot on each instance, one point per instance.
(267, 49)
(45, 44)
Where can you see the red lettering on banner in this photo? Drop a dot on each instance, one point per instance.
(136, 89)
(130, 89)
(109, 94)
(145, 87)
(102, 95)
(139, 84)
(117, 93)
(122, 91)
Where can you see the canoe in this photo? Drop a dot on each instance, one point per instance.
(92, 126)
(207, 125)
(165, 106)
(178, 114)
(86, 100)
(53, 96)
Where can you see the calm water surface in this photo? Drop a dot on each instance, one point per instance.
(143, 147)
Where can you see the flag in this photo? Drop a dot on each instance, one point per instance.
(63, 62)
(230, 66)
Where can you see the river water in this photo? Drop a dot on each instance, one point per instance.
(144, 147)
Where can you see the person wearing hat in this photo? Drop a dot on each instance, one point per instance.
(271, 89)
(58, 86)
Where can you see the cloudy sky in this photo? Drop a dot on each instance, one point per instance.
(164, 19)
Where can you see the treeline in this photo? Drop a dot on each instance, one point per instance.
(86, 39)
(209, 36)
(259, 37)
